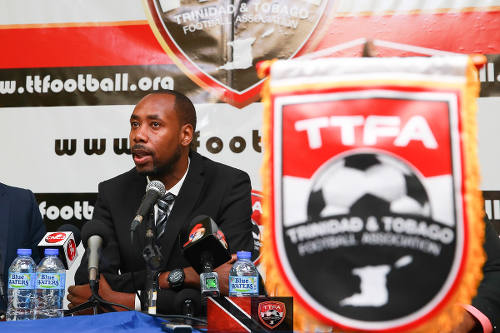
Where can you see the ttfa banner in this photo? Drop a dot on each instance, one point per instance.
(372, 213)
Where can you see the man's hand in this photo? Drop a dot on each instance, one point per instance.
(80, 294)
(223, 272)
(192, 278)
(468, 325)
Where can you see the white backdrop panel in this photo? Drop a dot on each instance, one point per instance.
(30, 134)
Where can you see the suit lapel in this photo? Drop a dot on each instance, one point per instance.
(183, 205)
(4, 226)
(132, 198)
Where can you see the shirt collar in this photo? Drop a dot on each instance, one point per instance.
(177, 187)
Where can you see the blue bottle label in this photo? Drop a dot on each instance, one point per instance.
(50, 280)
(22, 280)
(244, 285)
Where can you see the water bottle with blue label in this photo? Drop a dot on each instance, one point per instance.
(243, 276)
(50, 286)
(21, 287)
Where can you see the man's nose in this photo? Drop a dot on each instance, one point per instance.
(139, 135)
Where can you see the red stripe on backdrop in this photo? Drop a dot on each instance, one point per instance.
(135, 44)
(80, 46)
(465, 32)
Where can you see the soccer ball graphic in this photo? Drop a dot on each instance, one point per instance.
(364, 184)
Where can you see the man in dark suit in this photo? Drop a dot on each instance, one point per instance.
(21, 226)
(162, 127)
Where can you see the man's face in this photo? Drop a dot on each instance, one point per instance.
(155, 135)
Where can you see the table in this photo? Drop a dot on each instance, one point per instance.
(130, 321)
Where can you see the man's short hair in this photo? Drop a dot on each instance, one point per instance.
(184, 108)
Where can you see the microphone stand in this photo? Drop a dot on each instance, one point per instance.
(153, 258)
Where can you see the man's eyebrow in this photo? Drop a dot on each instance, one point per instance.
(152, 116)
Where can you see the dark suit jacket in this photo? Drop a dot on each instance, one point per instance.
(21, 226)
(210, 188)
(487, 299)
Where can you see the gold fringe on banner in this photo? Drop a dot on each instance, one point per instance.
(451, 313)
(302, 320)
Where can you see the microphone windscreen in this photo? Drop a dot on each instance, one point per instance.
(204, 239)
(157, 186)
(95, 227)
(74, 229)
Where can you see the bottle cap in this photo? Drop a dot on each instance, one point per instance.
(243, 255)
(51, 252)
(23, 252)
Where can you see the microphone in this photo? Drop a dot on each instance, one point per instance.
(154, 190)
(94, 245)
(187, 302)
(66, 239)
(205, 249)
(94, 235)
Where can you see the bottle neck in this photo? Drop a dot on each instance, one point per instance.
(244, 259)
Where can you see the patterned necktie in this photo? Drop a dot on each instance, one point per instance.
(164, 207)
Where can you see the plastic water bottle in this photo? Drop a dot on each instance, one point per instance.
(21, 286)
(243, 276)
(50, 283)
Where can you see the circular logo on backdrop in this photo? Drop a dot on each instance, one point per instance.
(377, 248)
(231, 38)
(55, 237)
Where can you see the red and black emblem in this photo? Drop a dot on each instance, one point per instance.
(272, 313)
(368, 210)
(218, 43)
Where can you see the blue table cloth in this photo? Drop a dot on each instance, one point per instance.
(128, 321)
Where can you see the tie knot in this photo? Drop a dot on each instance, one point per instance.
(169, 197)
(165, 200)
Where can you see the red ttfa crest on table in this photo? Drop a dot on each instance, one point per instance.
(272, 313)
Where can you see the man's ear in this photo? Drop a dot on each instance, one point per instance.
(186, 135)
